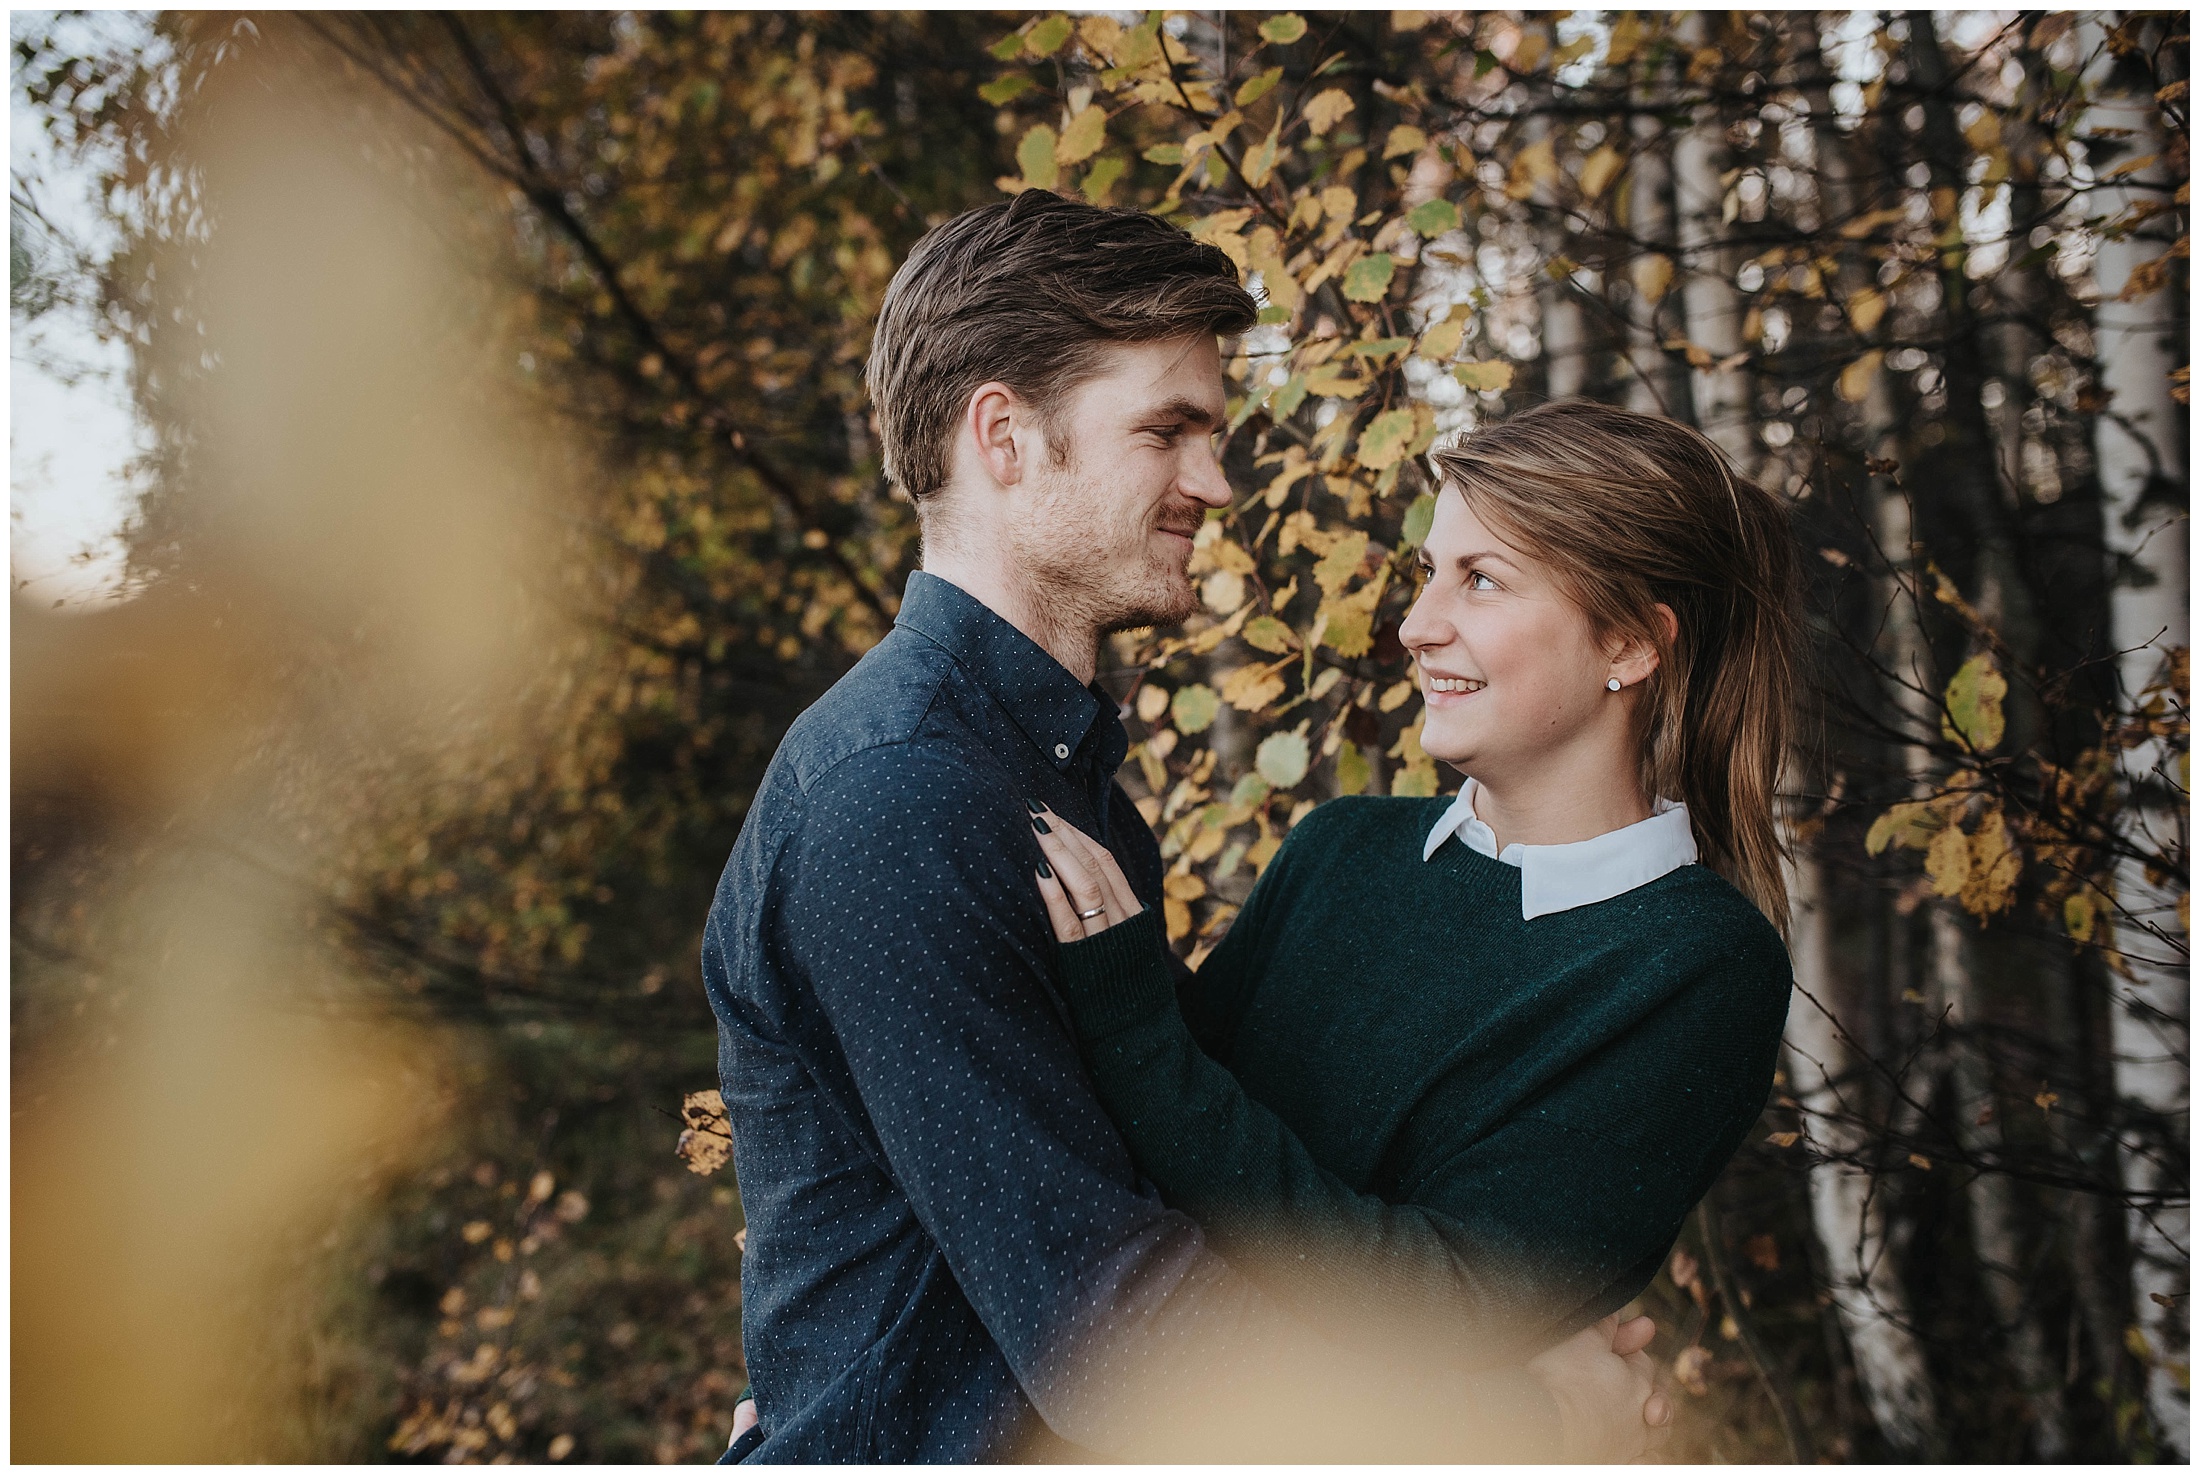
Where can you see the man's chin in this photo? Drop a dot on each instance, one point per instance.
(1160, 610)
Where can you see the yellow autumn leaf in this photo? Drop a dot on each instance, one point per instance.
(1598, 170)
(1177, 916)
(1867, 305)
(1252, 688)
(1152, 702)
(1325, 109)
(1856, 379)
(1081, 137)
(1652, 275)
(1183, 888)
(1341, 562)
(1385, 440)
(1536, 164)
(1442, 341)
(1404, 139)
(1487, 375)
(1973, 713)
(1948, 861)
(1396, 696)
(1995, 867)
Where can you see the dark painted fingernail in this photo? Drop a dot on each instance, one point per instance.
(1035, 806)
(1041, 825)
(1045, 871)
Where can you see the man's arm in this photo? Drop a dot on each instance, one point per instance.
(904, 898)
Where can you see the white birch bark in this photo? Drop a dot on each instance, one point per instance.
(2138, 440)
(1847, 1213)
(1708, 295)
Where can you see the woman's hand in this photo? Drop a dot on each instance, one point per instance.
(1605, 1385)
(1083, 887)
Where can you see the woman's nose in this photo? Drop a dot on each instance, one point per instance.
(1421, 627)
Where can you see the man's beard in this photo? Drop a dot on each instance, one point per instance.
(1071, 589)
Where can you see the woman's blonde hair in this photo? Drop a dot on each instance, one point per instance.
(1633, 511)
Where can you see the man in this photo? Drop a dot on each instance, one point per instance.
(950, 1254)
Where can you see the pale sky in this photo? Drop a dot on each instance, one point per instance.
(71, 429)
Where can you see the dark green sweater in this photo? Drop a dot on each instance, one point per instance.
(1407, 1109)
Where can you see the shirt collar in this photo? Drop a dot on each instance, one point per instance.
(1039, 694)
(1558, 878)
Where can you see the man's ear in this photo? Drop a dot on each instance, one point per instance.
(997, 429)
(1636, 659)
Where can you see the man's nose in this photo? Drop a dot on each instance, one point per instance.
(1202, 479)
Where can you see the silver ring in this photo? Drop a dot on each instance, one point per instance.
(1096, 911)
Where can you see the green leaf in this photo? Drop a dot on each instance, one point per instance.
(1259, 87)
(1375, 348)
(1384, 441)
(1419, 517)
(1282, 759)
(2079, 915)
(1485, 62)
(1283, 29)
(1193, 708)
(1003, 90)
(1171, 154)
(1353, 770)
(1269, 634)
(1369, 277)
(1288, 398)
(1008, 48)
(1101, 177)
(1275, 312)
(1250, 791)
(1431, 218)
(1974, 704)
(1046, 38)
(1035, 156)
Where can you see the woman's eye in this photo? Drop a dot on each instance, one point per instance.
(1480, 581)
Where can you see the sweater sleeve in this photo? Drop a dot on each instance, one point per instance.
(1519, 1237)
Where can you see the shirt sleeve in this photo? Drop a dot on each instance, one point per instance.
(1514, 1241)
(905, 899)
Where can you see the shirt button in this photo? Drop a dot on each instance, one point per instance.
(1061, 750)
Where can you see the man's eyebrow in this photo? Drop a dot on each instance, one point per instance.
(1191, 412)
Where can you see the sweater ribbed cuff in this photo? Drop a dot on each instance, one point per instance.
(1119, 977)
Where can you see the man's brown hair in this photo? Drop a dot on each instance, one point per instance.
(1021, 292)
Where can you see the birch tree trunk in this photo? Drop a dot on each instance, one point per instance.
(1847, 1213)
(2139, 446)
(1659, 385)
(1953, 987)
(1708, 295)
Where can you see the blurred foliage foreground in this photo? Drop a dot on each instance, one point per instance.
(511, 489)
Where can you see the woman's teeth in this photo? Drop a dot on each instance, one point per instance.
(1457, 684)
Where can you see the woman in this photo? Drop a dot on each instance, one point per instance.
(1461, 1067)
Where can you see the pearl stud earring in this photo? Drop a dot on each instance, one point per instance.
(1612, 685)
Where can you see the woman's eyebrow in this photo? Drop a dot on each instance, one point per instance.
(1484, 555)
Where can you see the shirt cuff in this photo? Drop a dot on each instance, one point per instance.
(1118, 977)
